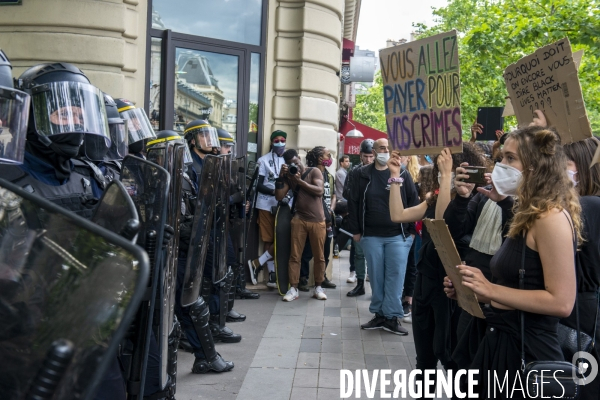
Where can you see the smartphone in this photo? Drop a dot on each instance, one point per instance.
(475, 174)
(492, 120)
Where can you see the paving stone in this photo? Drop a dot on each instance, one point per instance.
(331, 302)
(332, 321)
(254, 387)
(349, 312)
(399, 362)
(276, 353)
(331, 345)
(302, 393)
(410, 348)
(310, 346)
(352, 346)
(332, 312)
(332, 332)
(285, 326)
(329, 378)
(312, 332)
(394, 348)
(350, 333)
(297, 307)
(307, 378)
(374, 347)
(331, 361)
(350, 322)
(327, 394)
(353, 361)
(314, 320)
(376, 361)
(308, 360)
(370, 334)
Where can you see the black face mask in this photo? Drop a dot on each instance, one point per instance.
(137, 147)
(58, 153)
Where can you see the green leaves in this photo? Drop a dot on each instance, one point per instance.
(495, 33)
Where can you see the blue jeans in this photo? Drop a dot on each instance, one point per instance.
(386, 261)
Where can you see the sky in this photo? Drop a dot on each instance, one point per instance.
(391, 19)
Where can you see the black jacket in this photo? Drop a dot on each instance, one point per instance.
(358, 181)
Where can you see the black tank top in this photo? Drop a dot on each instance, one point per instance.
(506, 263)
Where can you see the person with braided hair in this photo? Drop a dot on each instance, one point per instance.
(320, 158)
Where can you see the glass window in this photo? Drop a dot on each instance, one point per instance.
(155, 72)
(253, 110)
(233, 20)
(207, 88)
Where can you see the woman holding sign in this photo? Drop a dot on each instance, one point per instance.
(540, 241)
(434, 315)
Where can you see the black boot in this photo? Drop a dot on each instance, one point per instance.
(224, 334)
(202, 365)
(359, 290)
(234, 316)
(246, 294)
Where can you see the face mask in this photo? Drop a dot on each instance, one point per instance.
(279, 149)
(452, 182)
(327, 163)
(572, 177)
(382, 158)
(66, 145)
(506, 179)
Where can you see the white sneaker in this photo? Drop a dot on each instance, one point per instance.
(319, 293)
(291, 294)
(408, 319)
(352, 277)
(367, 278)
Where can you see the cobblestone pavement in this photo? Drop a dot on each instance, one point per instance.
(293, 351)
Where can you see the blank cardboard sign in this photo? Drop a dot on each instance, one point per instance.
(547, 80)
(438, 230)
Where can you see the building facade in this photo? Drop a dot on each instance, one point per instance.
(250, 66)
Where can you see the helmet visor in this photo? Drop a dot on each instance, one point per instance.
(138, 124)
(14, 114)
(69, 107)
(119, 138)
(205, 136)
(95, 147)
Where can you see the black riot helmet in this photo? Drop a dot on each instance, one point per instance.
(226, 141)
(366, 146)
(64, 102)
(138, 125)
(14, 114)
(170, 137)
(119, 134)
(202, 136)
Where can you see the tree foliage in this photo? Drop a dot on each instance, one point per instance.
(496, 33)
(369, 107)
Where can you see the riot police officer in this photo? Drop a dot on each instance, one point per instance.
(139, 127)
(193, 318)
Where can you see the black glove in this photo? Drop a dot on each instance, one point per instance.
(236, 198)
(168, 233)
(185, 233)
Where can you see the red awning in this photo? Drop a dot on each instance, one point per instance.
(347, 50)
(352, 145)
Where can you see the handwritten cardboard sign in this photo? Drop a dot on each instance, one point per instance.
(596, 159)
(438, 230)
(421, 95)
(547, 80)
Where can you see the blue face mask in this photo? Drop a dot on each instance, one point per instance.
(428, 159)
(279, 144)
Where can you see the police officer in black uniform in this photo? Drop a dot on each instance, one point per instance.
(139, 128)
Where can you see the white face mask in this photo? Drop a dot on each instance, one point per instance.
(572, 177)
(506, 179)
(382, 158)
(451, 184)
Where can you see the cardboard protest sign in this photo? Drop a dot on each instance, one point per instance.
(547, 80)
(438, 230)
(596, 159)
(421, 94)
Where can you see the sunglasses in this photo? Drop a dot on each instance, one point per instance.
(279, 141)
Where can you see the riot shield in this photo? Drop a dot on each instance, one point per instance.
(116, 212)
(237, 223)
(251, 179)
(221, 220)
(201, 226)
(69, 290)
(148, 187)
(170, 156)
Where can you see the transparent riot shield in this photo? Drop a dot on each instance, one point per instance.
(69, 290)
(169, 155)
(251, 179)
(116, 212)
(201, 227)
(221, 220)
(237, 221)
(148, 186)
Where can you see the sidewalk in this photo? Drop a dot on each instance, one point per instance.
(295, 350)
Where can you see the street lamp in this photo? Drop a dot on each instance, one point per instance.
(354, 133)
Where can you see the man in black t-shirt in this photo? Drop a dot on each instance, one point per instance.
(386, 244)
